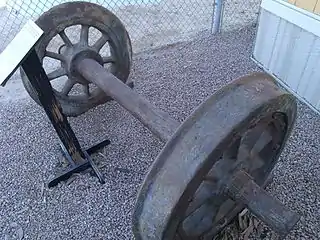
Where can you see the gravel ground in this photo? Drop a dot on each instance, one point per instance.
(177, 79)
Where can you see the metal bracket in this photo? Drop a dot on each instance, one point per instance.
(77, 168)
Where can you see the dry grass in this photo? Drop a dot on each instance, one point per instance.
(246, 227)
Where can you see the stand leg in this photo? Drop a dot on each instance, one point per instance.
(40, 82)
(79, 160)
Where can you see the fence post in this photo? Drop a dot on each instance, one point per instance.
(217, 16)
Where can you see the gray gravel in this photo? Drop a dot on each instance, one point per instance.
(177, 79)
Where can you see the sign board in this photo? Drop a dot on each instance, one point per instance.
(13, 55)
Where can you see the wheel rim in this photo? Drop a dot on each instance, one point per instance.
(253, 151)
(195, 148)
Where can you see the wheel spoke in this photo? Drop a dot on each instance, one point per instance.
(218, 171)
(220, 220)
(243, 153)
(57, 73)
(257, 163)
(108, 59)
(233, 150)
(84, 35)
(264, 139)
(67, 87)
(54, 55)
(86, 90)
(253, 135)
(65, 38)
(249, 159)
(203, 194)
(266, 152)
(224, 209)
(274, 129)
(201, 219)
(262, 149)
(100, 43)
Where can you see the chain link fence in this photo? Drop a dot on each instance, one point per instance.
(239, 13)
(150, 23)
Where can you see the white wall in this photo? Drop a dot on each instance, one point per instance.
(288, 47)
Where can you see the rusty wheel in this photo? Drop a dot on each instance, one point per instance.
(244, 126)
(78, 30)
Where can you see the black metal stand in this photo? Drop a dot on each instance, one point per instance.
(78, 159)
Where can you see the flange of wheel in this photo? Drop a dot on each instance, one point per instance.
(85, 15)
(244, 126)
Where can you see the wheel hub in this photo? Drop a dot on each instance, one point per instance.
(251, 152)
(73, 55)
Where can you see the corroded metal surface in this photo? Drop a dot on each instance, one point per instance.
(175, 187)
(159, 122)
(191, 191)
(243, 189)
(53, 23)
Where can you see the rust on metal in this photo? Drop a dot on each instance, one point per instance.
(184, 192)
(213, 165)
(159, 122)
(272, 212)
(113, 33)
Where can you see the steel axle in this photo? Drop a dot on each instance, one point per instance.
(241, 188)
(159, 122)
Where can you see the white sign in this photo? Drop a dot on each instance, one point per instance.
(13, 55)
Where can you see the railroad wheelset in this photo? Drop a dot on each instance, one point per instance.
(213, 165)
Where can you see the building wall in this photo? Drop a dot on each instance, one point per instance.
(309, 5)
(288, 47)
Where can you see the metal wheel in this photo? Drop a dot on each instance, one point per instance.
(243, 126)
(73, 31)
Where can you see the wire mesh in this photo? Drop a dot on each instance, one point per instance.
(150, 23)
(239, 13)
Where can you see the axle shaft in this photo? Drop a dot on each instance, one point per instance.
(241, 188)
(244, 190)
(157, 121)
